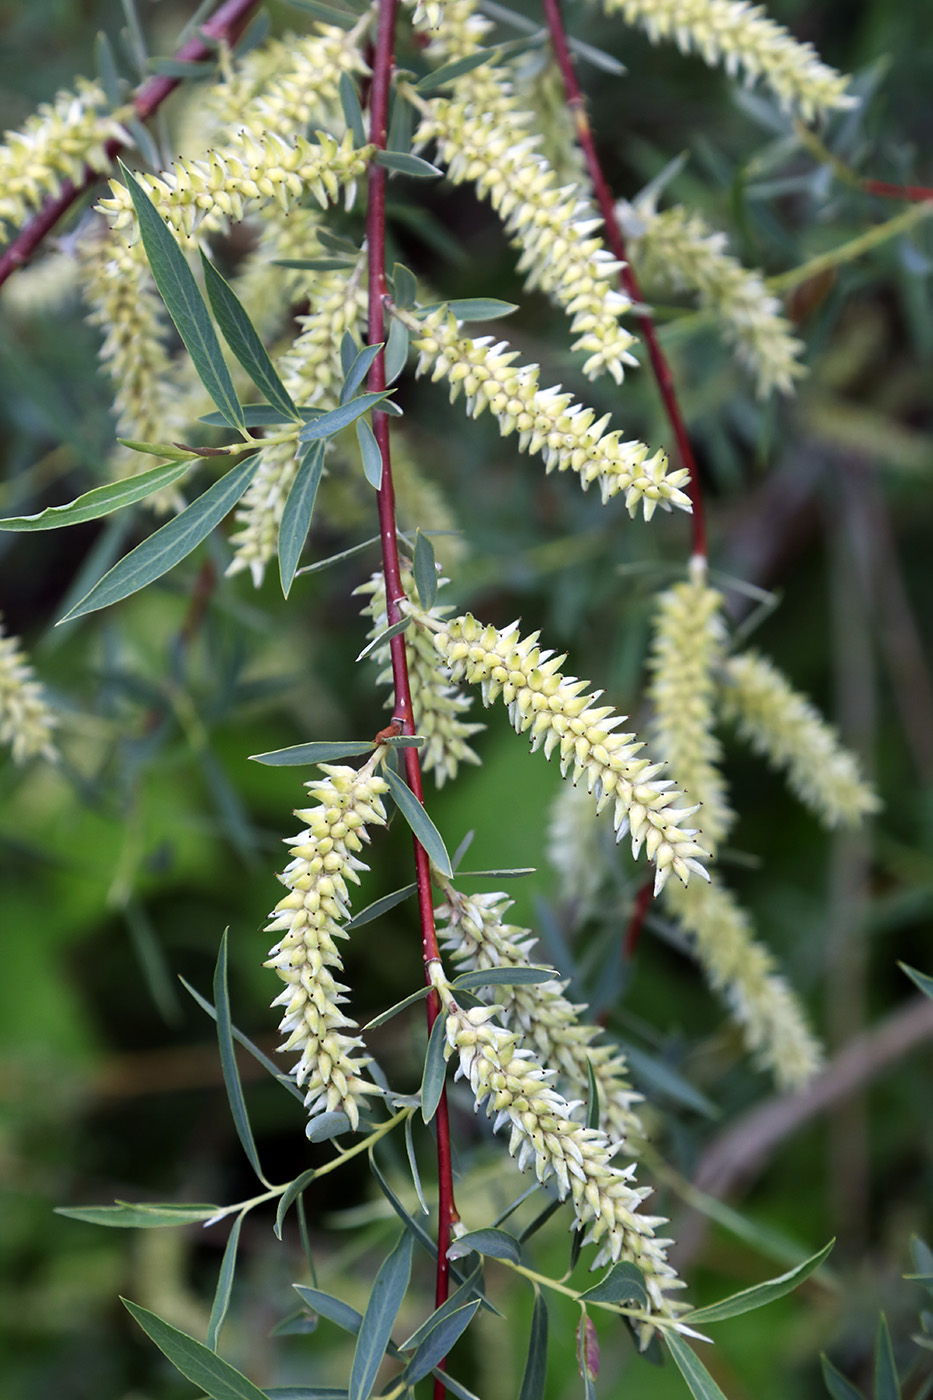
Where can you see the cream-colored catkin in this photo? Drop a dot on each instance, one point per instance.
(560, 715)
(677, 251)
(783, 725)
(743, 39)
(309, 920)
(473, 930)
(26, 718)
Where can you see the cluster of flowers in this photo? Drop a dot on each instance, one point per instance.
(26, 721)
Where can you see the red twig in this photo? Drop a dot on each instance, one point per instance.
(640, 907)
(227, 22)
(375, 239)
(662, 371)
(915, 193)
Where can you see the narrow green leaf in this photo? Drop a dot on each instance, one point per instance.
(328, 13)
(887, 1385)
(498, 1244)
(836, 1383)
(170, 450)
(402, 1005)
(352, 111)
(330, 423)
(170, 544)
(415, 1228)
(332, 1308)
(396, 350)
(349, 349)
(127, 1215)
(297, 513)
(261, 415)
(599, 58)
(369, 451)
(107, 70)
(449, 72)
(438, 1343)
(338, 558)
(323, 752)
(503, 977)
(661, 1077)
(920, 979)
(286, 1080)
(473, 308)
(228, 1061)
(425, 570)
(325, 1126)
(518, 873)
(186, 306)
(624, 1283)
(536, 1366)
(385, 636)
(699, 1381)
(377, 909)
(406, 288)
(592, 1096)
(338, 243)
(540, 1219)
(404, 741)
(314, 264)
(196, 1362)
(435, 1070)
(455, 1387)
(224, 1288)
(382, 1309)
(287, 1200)
(243, 339)
(406, 164)
(760, 1293)
(401, 123)
(421, 824)
(415, 1174)
(358, 371)
(102, 500)
(470, 1288)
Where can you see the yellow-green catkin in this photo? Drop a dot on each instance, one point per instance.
(26, 719)
(308, 921)
(784, 726)
(743, 39)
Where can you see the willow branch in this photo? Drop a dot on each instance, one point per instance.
(227, 23)
(627, 278)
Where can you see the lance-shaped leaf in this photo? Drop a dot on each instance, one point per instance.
(425, 571)
(289, 1197)
(196, 1362)
(224, 1284)
(352, 111)
(332, 1308)
(186, 306)
(836, 1383)
(403, 164)
(402, 1005)
(498, 1244)
(421, 824)
(699, 1381)
(169, 545)
(261, 415)
(126, 1215)
(920, 979)
(370, 454)
(396, 355)
(406, 288)
(377, 909)
(323, 752)
(536, 1365)
(448, 72)
(228, 1062)
(438, 1342)
(592, 1096)
(330, 423)
(623, 1283)
(761, 1293)
(435, 1069)
(102, 500)
(472, 308)
(358, 371)
(382, 1309)
(887, 1384)
(278, 1075)
(503, 977)
(386, 636)
(242, 337)
(413, 1167)
(470, 1288)
(297, 513)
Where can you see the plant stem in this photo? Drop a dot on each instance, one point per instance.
(226, 23)
(375, 239)
(662, 370)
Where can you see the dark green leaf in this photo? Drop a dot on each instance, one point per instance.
(170, 544)
(421, 824)
(185, 304)
(402, 1005)
(760, 1293)
(323, 752)
(470, 1288)
(473, 308)
(396, 355)
(288, 1198)
(406, 288)
(369, 451)
(920, 979)
(435, 1070)
(415, 1228)
(382, 1309)
(536, 1365)
(503, 977)
(127, 1215)
(624, 1283)
(297, 513)
(406, 164)
(243, 339)
(337, 243)
(260, 415)
(540, 1219)
(103, 500)
(196, 1362)
(325, 1126)
(413, 1168)
(224, 1284)
(699, 1381)
(401, 123)
(887, 1385)
(592, 1096)
(332, 1308)
(297, 1324)
(330, 423)
(328, 13)
(285, 1080)
(449, 72)
(836, 1383)
(385, 636)
(375, 911)
(498, 1244)
(358, 371)
(438, 1343)
(228, 1061)
(425, 571)
(352, 111)
(349, 349)
(314, 264)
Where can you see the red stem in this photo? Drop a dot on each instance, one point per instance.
(227, 22)
(640, 907)
(375, 240)
(914, 193)
(662, 371)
